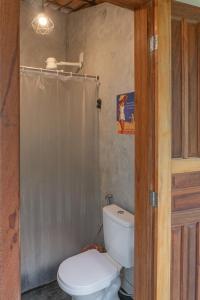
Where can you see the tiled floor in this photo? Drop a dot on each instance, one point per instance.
(51, 292)
(47, 292)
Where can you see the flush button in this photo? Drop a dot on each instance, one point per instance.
(120, 212)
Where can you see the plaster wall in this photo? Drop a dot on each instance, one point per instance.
(105, 33)
(34, 48)
(51, 222)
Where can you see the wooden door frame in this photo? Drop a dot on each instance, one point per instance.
(9, 151)
(162, 28)
(153, 161)
(160, 241)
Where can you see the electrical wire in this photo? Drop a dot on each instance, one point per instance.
(125, 294)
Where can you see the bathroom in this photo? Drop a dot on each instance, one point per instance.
(73, 160)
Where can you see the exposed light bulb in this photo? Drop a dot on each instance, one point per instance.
(42, 24)
(42, 20)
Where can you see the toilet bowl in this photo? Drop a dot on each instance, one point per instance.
(90, 276)
(96, 276)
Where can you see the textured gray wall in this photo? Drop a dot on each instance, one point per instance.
(53, 219)
(105, 34)
(34, 48)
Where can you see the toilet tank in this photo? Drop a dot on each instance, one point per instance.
(118, 227)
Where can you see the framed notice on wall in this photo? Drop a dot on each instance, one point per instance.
(125, 113)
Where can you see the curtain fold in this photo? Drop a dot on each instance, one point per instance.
(60, 205)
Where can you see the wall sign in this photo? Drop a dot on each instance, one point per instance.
(125, 113)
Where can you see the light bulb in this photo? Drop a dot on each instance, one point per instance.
(42, 19)
(42, 24)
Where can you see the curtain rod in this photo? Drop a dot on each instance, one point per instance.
(58, 72)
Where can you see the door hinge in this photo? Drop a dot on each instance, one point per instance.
(153, 43)
(154, 199)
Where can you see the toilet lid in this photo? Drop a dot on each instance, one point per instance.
(86, 273)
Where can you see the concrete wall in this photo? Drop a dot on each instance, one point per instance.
(34, 48)
(105, 34)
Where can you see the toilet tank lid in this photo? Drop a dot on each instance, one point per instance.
(119, 215)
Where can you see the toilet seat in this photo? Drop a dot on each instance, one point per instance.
(86, 273)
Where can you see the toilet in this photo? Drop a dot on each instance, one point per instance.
(96, 276)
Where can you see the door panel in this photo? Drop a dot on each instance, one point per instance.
(185, 191)
(185, 273)
(193, 116)
(177, 90)
(185, 236)
(185, 87)
(185, 255)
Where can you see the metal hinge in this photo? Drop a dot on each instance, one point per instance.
(154, 199)
(153, 43)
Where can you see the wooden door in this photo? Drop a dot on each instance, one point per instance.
(185, 280)
(153, 150)
(9, 151)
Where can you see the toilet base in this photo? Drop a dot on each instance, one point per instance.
(109, 293)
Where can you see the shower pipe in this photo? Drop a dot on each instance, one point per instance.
(52, 63)
(59, 72)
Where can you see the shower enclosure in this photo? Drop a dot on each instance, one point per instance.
(60, 205)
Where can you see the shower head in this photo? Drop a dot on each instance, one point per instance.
(52, 64)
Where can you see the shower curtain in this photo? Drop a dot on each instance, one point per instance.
(60, 205)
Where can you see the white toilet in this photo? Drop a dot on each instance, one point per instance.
(95, 276)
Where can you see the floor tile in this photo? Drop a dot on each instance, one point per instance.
(47, 292)
(51, 292)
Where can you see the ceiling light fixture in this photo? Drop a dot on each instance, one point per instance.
(42, 24)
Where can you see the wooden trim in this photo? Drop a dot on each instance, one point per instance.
(163, 143)
(185, 92)
(185, 165)
(188, 216)
(198, 101)
(144, 161)
(9, 151)
(131, 4)
(184, 10)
